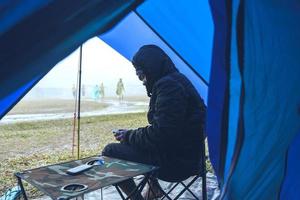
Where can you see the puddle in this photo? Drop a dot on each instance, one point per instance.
(115, 107)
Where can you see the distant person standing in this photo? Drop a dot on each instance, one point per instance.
(96, 93)
(102, 93)
(74, 91)
(120, 89)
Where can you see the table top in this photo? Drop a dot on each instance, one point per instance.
(51, 179)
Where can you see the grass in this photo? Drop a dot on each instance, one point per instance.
(22, 139)
(29, 145)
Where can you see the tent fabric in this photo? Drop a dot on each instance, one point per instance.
(187, 26)
(216, 124)
(268, 44)
(193, 41)
(234, 92)
(45, 33)
(291, 185)
(12, 99)
(11, 12)
(126, 42)
(253, 77)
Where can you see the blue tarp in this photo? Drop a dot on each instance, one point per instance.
(125, 41)
(242, 56)
(291, 182)
(187, 26)
(35, 35)
(268, 46)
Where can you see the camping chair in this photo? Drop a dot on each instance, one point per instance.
(186, 187)
(193, 177)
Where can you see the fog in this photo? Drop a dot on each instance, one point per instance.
(100, 64)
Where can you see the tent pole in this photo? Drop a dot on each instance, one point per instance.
(79, 95)
(74, 126)
(160, 37)
(75, 112)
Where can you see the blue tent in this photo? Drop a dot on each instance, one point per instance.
(241, 55)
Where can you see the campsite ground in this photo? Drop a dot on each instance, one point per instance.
(30, 144)
(42, 106)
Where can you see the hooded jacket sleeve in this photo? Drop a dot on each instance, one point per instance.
(168, 117)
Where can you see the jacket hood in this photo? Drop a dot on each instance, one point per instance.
(155, 64)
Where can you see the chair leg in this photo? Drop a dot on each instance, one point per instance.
(186, 187)
(203, 174)
(120, 192)
(204, 192)
(167, 194)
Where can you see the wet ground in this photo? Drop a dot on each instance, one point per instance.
(114, 107)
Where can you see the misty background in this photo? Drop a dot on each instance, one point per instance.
(100, 64)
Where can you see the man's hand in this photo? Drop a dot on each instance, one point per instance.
(119, 134)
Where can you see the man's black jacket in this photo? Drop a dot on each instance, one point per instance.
(176, 123)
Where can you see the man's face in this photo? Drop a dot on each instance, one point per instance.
(141, 76)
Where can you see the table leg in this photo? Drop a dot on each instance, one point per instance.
(120, 192)
(81, 197)
(140, 186)
(22, 188)
(137, 190)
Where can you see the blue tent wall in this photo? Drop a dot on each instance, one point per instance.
(35, 35)
(11, 12)
(192, 41)
(127, 42)
(291, 185)
(268, 46)
(217, 113)
(253, 100)
(234, 91)
(187, 26)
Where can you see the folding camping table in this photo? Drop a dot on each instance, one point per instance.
(53, 180)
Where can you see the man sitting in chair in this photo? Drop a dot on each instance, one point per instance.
(172, 140)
